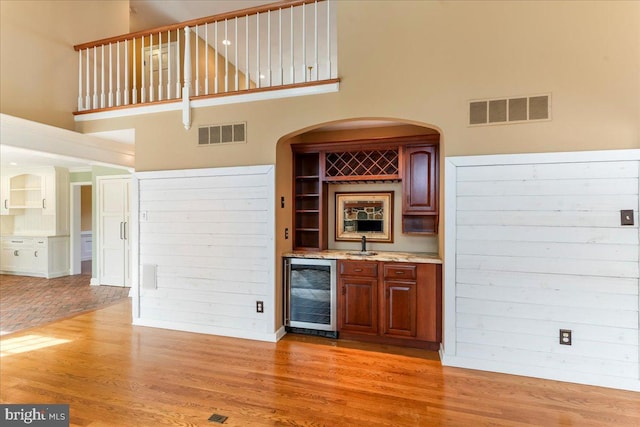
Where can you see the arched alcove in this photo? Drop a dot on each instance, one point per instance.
(365, 130)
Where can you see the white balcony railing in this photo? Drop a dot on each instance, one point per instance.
(281, 45)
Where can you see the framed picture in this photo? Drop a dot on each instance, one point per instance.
(367, 214)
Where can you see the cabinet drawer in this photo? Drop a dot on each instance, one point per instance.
(17, 243)
(359, 268)
(400, 271)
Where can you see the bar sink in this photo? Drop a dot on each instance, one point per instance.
(362, 253)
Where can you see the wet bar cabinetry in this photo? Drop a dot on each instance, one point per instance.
(412, 160)
(390, 302)
(310, 202)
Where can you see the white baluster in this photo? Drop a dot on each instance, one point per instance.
(102, 84)
(315, 38)
(226, 58)
(134, 91)
(258, 49)
(80, 108)
(143, 85)
(246, 39)
(95, 77)
(186, 89)
(293, 70)
(197, 81)
(281, 73)
(160, 83)
(118, 96)
(126, 72)
(328, 40)
(215, 59)
(168, 64)
(269, 47)
(151, 88)
(88, 96)
(235, 41)
(110, 76)
(304, 42)
(206, 59)
(178, 87)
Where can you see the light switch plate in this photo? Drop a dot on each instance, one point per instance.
(626, 217)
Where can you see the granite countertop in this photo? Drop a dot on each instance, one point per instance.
(416, 257)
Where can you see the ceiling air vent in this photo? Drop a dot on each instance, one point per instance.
(222, 134)
(509, 110)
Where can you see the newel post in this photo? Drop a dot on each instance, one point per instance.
(186, 89)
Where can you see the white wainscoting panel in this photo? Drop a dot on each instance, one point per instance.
(534, 244)
(209, 233)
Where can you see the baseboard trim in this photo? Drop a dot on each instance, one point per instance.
(94, 281)
(631, 384)
(210, 330)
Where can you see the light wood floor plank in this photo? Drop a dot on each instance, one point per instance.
(115, 374)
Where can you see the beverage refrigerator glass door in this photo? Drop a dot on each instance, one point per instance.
(310, 293)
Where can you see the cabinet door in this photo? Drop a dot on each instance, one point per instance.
(49, 192)
(419, 183)
(114, 231)
(8, 259)
(4, 195)
(40, 260)
(399, 308)
(358, 304)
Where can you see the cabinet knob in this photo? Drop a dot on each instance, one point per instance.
(15, 253)
(357, 270)
(35, 254)
(399, 272)
(44, 205)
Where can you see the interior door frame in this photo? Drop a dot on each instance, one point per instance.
(97, 231)
(75, 256)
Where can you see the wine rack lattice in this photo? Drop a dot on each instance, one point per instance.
(375, 163)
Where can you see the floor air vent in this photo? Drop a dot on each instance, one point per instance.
(509, 110)
(222, 134)
(217, 418)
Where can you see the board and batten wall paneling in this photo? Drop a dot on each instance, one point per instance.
(534, 244)
(209, 235)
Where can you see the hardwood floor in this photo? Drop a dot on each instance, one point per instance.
(115, 374)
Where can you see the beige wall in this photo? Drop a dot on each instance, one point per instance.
(38, 66)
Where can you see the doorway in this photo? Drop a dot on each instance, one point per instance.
(81, 228)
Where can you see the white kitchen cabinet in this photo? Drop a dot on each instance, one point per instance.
(35, 256)
(43, 191)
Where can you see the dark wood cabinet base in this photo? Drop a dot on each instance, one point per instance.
(426, 345)
(390, 303)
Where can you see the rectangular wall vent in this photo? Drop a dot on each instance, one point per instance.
(222, 134)
(509, 110)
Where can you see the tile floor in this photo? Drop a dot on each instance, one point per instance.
(26, 302)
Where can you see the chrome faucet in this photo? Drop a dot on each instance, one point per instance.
(364, 244)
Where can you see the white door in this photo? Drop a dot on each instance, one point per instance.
(113, 239)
